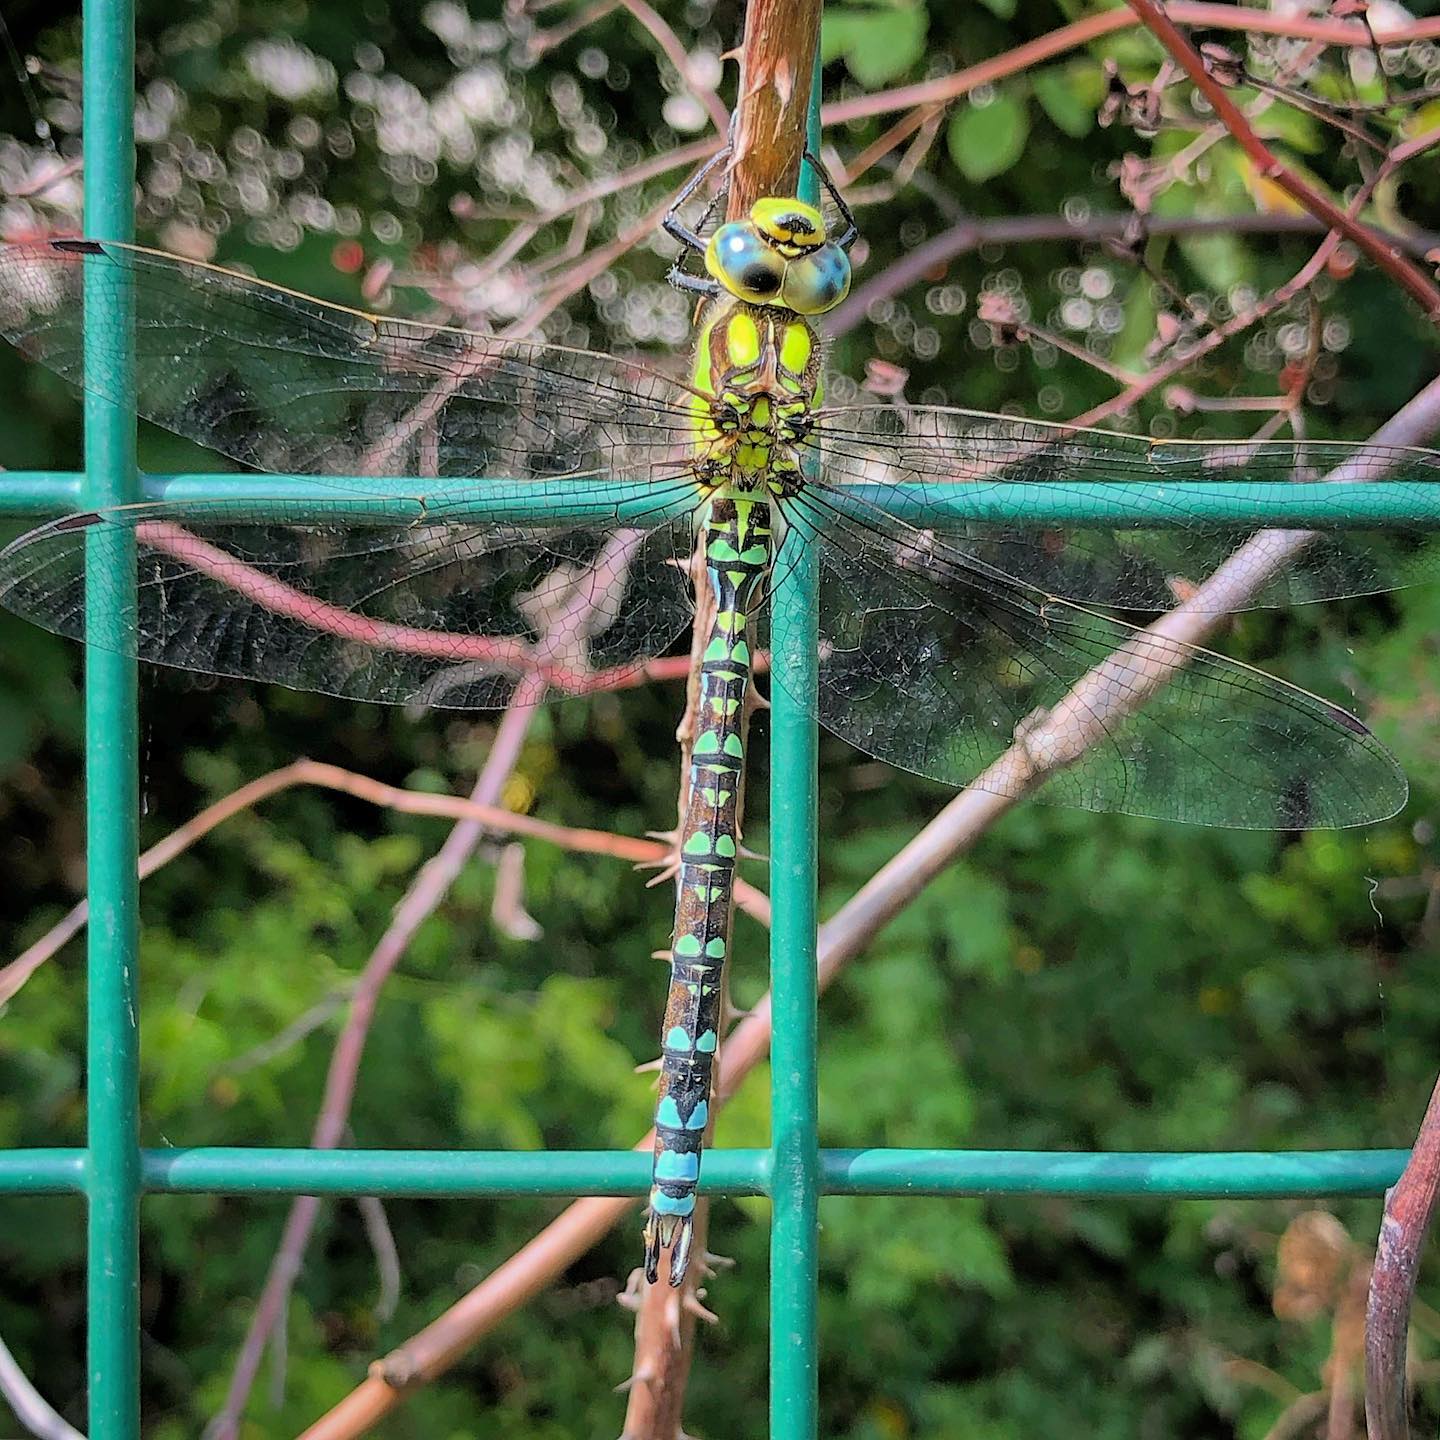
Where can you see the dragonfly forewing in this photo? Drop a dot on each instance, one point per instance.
(941, 463)
(285, 383)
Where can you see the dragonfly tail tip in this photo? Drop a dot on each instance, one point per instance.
(668, 1232)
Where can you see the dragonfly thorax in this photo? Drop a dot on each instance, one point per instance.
(757, 374)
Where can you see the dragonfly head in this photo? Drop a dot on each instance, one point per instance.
(780, 257)
(790, 226)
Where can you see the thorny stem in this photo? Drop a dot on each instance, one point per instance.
(777, 63)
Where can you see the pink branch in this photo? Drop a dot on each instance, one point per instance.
(429, 888)
(504, 652)
(1409, 1209)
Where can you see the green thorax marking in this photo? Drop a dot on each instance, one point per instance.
(758, 368)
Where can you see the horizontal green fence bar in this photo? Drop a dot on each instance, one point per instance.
(42, 1172)
(39, 492)
(1411, 504)
(461, 1173)
(1193, 1175)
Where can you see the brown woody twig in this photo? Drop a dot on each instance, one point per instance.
(1404, 1228)
(777, 62)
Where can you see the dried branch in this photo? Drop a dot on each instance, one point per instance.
(1404, 1228)
(779, 59)
(494, 818)
(777, 65)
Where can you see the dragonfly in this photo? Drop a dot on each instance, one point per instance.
(440, 517)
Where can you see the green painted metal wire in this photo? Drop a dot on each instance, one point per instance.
(112, 1172)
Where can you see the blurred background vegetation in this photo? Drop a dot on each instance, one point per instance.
(1078, 981)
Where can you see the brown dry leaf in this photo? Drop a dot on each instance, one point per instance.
(1312, 1256)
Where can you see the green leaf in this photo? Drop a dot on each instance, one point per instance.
(1005, 9)
(1069, 95)
(1220, 259)
(986, 140)
(877, 45)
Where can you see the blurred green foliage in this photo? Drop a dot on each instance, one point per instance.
(1077, 981)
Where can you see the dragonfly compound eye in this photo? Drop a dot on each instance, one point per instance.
(818, 282)
(744, 263)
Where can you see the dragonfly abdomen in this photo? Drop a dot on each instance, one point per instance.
(737, 553)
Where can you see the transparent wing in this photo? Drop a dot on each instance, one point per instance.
(934, 662)
(288, 384)
(942, 462)
(434, 612)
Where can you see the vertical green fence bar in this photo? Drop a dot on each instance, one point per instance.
(795, 1155)
(111, 729)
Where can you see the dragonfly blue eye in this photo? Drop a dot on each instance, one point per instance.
(817, 283)
(741, 260)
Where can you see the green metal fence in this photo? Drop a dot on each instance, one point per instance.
(113, 1173)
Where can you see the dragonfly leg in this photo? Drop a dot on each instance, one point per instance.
(852, 229)
(672, 224)
(700, 284)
